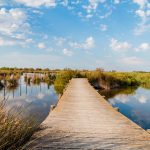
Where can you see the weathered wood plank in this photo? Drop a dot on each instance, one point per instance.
(84, 120)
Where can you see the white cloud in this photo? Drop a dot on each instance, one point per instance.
(106, 15)
(92, 6)
(13, 42)
(28, 40)
(116, 1)
(4, 42)
(88, 44)
(141, 3)
(131, 61)
(119, 46)
(142, 28)
(37, 3)
(143, 47)
(103, 27)
(101, 9)
(89, 16)
(41, 45)
(143, 12)
(64, 2)
(140, 13)
(60, 40)
(67, 52)
(13, 21)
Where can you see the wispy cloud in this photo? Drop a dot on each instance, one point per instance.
(88, 44)
(143, 12)
(67, 52)
(9, 42)
(119, 46)
(37, 3)
(60, 40)
(41, 45)
(103, 27)
(13, 21)
(143, 47)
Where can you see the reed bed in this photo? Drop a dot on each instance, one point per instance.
(14, 131)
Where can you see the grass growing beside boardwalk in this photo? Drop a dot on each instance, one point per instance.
(104, 80)
(14, 132)
(110, 80)
(63, 78)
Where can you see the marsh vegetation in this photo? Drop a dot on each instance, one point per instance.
(14, 130)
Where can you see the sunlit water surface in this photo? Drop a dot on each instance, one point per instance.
(133, 103)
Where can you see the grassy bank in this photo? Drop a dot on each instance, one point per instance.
(111, 80)
(104, 80)
(98, 78)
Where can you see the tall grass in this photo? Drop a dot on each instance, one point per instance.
(36, 78)
(104, 80)
(110, 80)
(14, 131)
(63, 78)
(9, 80)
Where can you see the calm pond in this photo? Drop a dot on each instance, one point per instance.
(37, 99)
(32, 99)
(134, 103)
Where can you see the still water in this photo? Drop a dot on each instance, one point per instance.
(36, 100)
(33, 99)
(134, 103)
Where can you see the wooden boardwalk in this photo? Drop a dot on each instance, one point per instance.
(84, 120)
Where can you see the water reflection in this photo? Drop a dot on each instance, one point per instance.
(112, 93)
(33, 99)
(133, 103)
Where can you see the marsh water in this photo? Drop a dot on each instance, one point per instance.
(32, 100)
(134, 103)
(36, 100)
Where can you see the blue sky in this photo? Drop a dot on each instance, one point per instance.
(112, 34)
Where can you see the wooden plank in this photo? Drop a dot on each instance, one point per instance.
(83, 119)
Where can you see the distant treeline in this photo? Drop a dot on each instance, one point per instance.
(27, 70)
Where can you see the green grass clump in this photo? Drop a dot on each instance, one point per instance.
(63, 78)
(110, 80)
